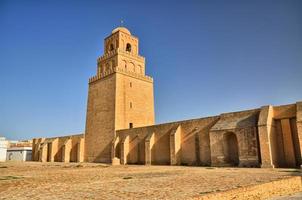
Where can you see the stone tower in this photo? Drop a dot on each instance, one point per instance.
(120, 96)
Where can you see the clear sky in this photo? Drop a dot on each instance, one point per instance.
(206, 57)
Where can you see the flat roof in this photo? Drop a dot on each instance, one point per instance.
(19, 148)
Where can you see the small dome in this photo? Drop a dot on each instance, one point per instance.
(122, 29)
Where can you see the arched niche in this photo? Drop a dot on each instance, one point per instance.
(139, 69)
(124, 65)
(230, 149)
(131, 67)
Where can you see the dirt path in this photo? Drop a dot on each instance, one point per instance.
(34, 180)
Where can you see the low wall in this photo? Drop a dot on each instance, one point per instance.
(59, 149)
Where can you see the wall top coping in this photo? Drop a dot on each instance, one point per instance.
(53, 138)
(176, 123)
(19, 148)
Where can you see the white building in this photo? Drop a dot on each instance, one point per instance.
(3, 148)
(19, 154)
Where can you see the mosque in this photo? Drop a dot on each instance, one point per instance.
(120, 125)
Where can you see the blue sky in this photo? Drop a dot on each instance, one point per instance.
(206, 57)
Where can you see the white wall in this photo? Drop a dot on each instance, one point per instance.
(3, 149)
(18, 155)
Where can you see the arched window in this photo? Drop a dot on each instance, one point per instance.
(128, 47)
(111, 47)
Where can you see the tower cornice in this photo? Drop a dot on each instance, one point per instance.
(121, 71)
(121, 52)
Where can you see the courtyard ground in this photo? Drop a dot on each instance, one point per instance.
(34, 180)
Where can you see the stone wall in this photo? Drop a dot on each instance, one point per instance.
(185, 142)
(134, 102)
(100, 120)
(234, 140)
(60, 149)
(279, 135)
(299, 130)
(266, 137)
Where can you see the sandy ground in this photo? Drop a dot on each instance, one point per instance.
(34, 180)
(297, 196)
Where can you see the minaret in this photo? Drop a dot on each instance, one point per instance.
(120, 96)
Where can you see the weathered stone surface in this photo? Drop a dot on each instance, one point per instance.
(120, 95)
(120, 124)
(60, 149)
(175, 146)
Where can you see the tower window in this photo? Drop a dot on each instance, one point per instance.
(130, 84)
(130, 104)
(128, 47)
(130, 125)
(111, 47)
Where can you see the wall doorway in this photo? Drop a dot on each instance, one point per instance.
(230, 149)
